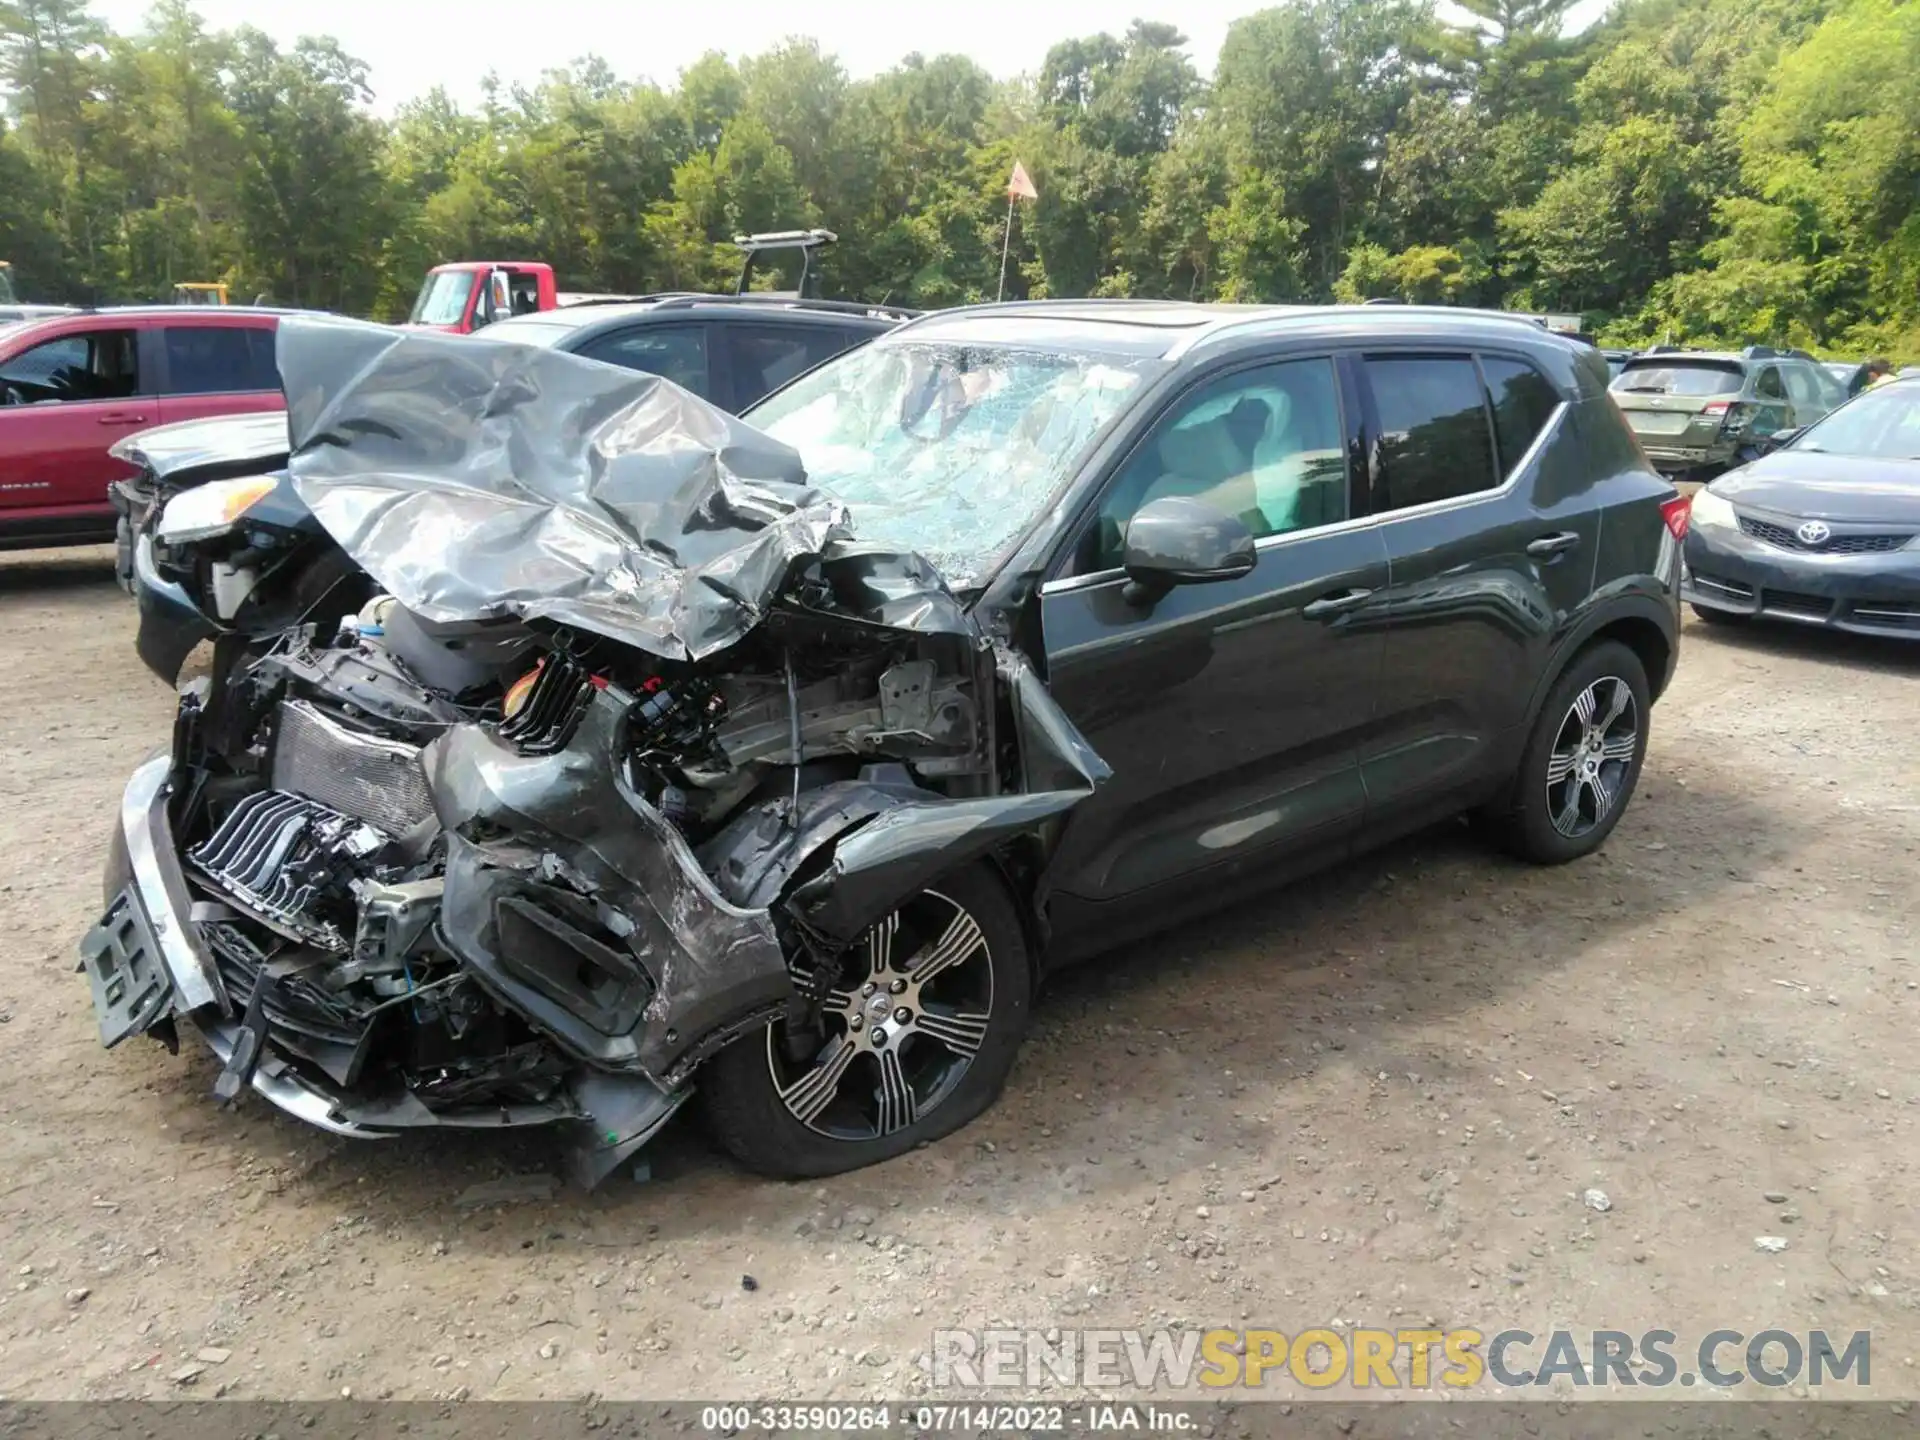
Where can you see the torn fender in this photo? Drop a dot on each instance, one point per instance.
(579, 905)
(889, 838)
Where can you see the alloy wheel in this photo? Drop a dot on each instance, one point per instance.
(898, 1032)
(1592, 753)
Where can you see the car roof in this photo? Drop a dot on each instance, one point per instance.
(1168, 329)
(553, 327)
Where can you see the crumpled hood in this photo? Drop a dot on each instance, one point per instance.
(482, 480)
(238, 440)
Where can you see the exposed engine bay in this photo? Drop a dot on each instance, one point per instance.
(544, 798)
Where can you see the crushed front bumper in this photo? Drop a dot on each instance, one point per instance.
(1872, 594)
(147, 965)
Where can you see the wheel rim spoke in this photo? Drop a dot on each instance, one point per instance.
(1567, 822)
(961, 1031)
(1622, 697)
(1602, 797)
(1620, 747)
(1561, 765)
(896, 1105)
(1585, 706)
(959, 940)
(880, 944)
(814, 1091)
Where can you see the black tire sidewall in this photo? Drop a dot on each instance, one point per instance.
(1530, 832)
(748, 1118)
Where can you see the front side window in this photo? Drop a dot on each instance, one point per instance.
(1263, 445)
(219, 359)
(673, 352)
(1434, 443)
(950, 449)
(89, 365)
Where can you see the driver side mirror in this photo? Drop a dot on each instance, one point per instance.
(496, 301)
(1177, 540)
(1779, 438)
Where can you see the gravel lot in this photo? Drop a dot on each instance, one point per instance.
(1373, 1100)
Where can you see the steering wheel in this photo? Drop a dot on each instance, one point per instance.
(11, 394)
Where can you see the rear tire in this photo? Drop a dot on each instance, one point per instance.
(1582, 759)
(869, 1085)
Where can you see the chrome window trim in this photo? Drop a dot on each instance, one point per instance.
(1068, 584)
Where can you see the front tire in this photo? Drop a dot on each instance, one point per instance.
(1582, 760)
(916, 1038)
(1719, 617)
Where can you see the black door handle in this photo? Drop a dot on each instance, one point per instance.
(1337, 603)
(1548, 546)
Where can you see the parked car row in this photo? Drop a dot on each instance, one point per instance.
(1824, 529)
(1698, 412)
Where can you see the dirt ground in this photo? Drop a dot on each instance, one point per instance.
(1374, 1100)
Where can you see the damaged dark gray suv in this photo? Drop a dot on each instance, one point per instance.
(568, 745)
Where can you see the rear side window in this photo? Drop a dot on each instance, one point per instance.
(1434, 442)
(1523, 402)
(219, 359)
(1770, 387)
(1685, 378)
(673, 352)
(765, 357)
(86, 365)
(1802, 386)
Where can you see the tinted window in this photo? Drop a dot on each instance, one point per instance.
(765, 357)
(91, 365)
(217, 359)
(1665, 377)
(1434, 442)
(1264, 445)
(675, 352)
(1523, 402)
(1769, 384)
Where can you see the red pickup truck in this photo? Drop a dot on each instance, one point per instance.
(72, 385)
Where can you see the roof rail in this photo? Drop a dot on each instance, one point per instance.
(771, 300)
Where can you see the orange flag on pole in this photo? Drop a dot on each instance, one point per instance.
(1020, 187)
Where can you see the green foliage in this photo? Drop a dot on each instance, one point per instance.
(1713, 170)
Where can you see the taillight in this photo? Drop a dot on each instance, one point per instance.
(1715, 407)
(1676, 512)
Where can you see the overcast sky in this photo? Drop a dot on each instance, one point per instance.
(413, 45)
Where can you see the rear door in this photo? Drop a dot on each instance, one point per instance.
(761, 357)
(1491, 529)
(64, 399)
(679, 352)
(1229, 711)
(217, 367)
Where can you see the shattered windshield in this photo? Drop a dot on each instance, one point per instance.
(949, 450)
